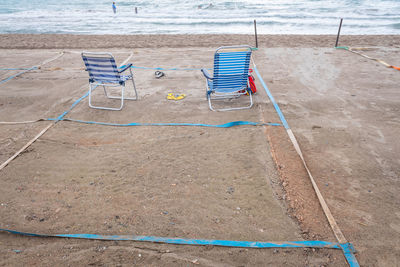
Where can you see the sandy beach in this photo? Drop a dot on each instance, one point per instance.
(239, 183)
(64, 41)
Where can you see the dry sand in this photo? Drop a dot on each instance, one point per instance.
(243, 183)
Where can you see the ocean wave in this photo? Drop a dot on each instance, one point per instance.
(202, 16)
(395, 25)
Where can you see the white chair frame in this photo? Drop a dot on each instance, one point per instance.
(94, 84)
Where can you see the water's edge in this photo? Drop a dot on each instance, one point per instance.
(74, 41)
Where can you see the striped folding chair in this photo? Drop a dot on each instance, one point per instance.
(230, 77)
(104, 72)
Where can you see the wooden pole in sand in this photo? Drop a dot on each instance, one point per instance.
(337, 38)
(27, 145)
(255, 32)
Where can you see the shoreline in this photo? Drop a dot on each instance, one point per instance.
(73, 41)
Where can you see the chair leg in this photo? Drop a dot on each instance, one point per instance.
(209, 102)
(207, 89)
(105, 92)
(119, 97)
(122, 97)
(227, 109)
(134, 88)
(209, 99)
(110, 96)
(251, 99)
(90, 96)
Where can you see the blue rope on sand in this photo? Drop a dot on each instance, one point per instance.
(16, 75)
(347, 248)
(15, 68)
(199, 242)
(158, 68)
(225, 125)
(278, 110)
(61, 117)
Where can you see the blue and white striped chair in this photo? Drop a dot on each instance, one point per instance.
(230, 77)
(103, 71)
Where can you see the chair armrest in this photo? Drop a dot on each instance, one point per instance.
(206, 74)
(124, 68)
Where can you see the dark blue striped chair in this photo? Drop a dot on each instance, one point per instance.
(103, 71)
(230, 77)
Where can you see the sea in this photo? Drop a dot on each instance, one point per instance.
(200, 17)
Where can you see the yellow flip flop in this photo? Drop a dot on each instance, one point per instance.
(172, 96)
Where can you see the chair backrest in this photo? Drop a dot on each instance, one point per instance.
(101, 67)
(231, 68)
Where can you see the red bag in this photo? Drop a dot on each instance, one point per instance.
(252, 88)
(251, 83)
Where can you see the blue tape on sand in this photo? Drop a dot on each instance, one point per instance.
(348, 251)
(158, 68)
(15, 68)
(278, 110)
(347, 248)
(225, 125)
(16, 75)
(183, 241)
(61, 117)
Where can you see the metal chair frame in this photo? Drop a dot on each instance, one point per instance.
(238, 80)
(116, 81)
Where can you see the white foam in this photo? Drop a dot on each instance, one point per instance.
(184, 16)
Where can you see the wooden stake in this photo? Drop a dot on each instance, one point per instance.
(255, 32)
(337, 38)
(26, 146)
